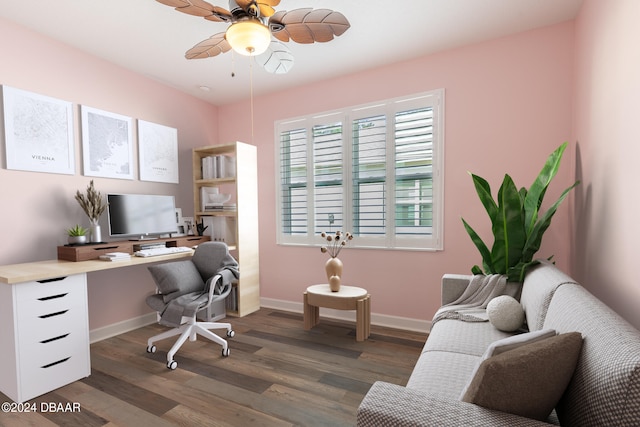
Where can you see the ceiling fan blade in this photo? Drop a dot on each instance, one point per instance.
(200, 8)
(220, 15)
(197, 8)
(213, 46)
(277, 59)
(174, 3)
(265, 9)
(308, 25)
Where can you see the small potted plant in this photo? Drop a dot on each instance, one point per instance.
(77, 235)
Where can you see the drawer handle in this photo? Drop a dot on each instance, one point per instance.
(102, 248)
(53, 297)
(54, 279)
(56, 363)
(54, 339)
(58, 313)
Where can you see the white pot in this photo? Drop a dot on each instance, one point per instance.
(77, 240)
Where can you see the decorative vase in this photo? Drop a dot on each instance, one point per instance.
(333, 268)
(96, 233)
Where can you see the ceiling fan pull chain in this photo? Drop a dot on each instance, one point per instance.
(251, 61)
(233, 64)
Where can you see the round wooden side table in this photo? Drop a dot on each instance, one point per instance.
(347, 298)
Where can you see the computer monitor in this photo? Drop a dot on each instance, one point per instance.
(141, 216)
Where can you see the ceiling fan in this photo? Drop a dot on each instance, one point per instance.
(258, 30)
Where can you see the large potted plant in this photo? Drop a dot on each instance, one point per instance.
(516, 221)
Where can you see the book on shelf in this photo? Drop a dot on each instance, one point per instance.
(220, 166)
(220, 207)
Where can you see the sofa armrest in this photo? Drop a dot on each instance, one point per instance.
(392, 405)
(453, 285)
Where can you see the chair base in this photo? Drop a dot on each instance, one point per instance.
(191, 329)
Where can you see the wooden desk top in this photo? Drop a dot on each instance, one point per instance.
(42, 270)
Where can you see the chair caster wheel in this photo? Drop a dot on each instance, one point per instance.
(151, 349)
(172, 364)
(225, 352)
(231, 334)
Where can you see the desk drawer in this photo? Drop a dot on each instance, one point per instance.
(35, 381)
(52, 334)
(35, 333)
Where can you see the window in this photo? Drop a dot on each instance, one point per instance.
(374, 170)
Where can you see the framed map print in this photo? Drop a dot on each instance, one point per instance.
(38, 132)
(107, 144)
(158, 152)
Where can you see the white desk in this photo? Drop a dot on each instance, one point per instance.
(44, 320)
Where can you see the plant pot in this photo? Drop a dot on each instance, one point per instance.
(333, 267)
(77, 240)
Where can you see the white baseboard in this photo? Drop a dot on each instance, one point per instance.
(114, 329)
(385, 320)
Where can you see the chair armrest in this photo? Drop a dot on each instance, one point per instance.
(212, 286)
(392, 405)
(453, 285)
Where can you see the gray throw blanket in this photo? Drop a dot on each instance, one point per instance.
(188, 305)
(469, 307)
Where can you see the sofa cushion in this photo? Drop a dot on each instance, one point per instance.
(529, 380)
(442, 373)
(176, 278)
(505, 313)
(506, 344)
(538, 288)
(473, 338)
(605, 388)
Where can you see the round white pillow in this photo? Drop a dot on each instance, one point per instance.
(505, 313)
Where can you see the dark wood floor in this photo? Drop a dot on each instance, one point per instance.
(277, 375)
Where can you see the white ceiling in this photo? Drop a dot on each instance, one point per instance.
(150, 38)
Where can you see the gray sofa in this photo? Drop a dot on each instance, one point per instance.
(604, 389)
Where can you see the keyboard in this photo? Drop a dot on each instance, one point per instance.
(162, 251)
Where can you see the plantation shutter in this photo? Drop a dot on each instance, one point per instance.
(327, 177)
(369, 176)
(414, 172)
(293, 180)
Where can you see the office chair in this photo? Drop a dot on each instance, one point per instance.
(187, 287)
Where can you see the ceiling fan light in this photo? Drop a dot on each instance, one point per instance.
(249, 37)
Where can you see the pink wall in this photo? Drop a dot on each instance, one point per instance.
(508, 105)
(38, 207)
(607, 93)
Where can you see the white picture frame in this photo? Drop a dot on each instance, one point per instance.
(189, 225)
(107, 144)
(38, 132)
(158, 152)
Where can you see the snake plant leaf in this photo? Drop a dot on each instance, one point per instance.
(538, 189)
(535, 237)
(476, 270)
(517, 272)
(508, 228)
(484, 193)
(482, 248)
